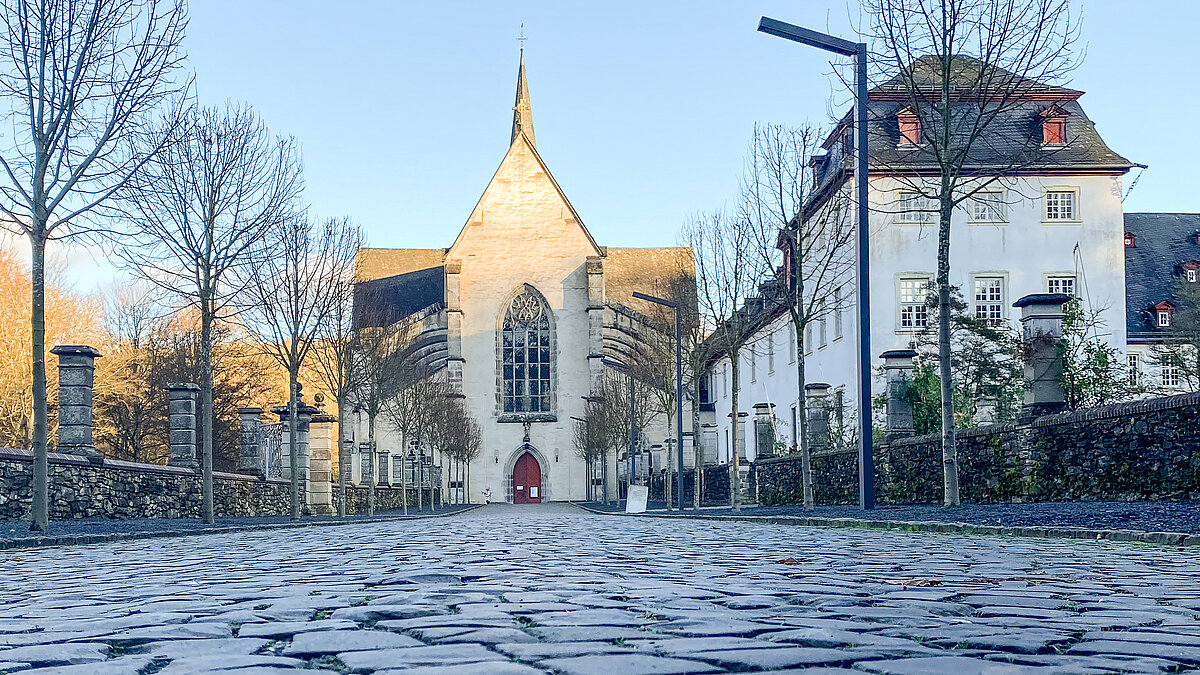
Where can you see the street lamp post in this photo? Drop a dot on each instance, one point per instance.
(858, 50)
(678, 389)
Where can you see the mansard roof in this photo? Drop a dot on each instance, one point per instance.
(1011, 144)
(1164, 242)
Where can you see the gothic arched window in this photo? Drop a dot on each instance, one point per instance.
(526, 353)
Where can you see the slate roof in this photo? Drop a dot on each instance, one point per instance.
(1012, 139)
(1163, 242)
(650, 270)
(394, 283)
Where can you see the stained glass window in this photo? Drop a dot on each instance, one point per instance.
(525, 341)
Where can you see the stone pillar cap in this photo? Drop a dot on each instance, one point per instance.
(250, 411)
(81, 350)
(1042, 299)
(756, 406)
(815, 386)
(183, 386)
(899, 354)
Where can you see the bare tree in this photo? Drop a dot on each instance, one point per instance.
(725, 276)
(379, 353)
(293, 290)
(1180, 346)
(963, 72)
(77, 79)
(591, 444)
(218, 185)
(808, 252)
(334, 362)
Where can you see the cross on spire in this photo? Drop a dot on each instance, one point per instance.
(522, 114)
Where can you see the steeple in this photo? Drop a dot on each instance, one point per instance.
(522, 115)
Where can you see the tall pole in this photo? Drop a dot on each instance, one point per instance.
(857, 50)
(679, 409)
(866, 459)
(632, 437)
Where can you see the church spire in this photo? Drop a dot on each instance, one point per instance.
(522, 115)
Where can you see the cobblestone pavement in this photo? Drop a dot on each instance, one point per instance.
(512, 590)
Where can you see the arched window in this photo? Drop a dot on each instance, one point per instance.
(527, 356)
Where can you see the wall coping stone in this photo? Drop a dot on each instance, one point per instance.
(21, 455)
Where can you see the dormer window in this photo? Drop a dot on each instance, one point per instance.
(1054, 126)
(1130, 240)
(1190, 270)
(910, 126)
(1163, 312)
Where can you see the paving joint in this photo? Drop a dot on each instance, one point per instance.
(1180, 539)
(78, 539)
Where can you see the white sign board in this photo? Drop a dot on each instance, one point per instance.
(636, 503)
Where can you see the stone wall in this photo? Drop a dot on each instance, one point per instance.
(778, 479)
(1146, 449)
(94, 488)
(387, 498)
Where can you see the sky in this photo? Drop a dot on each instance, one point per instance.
(642, 109)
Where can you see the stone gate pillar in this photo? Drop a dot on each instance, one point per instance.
(320, 464)
(817, 410)
(1041, 333)
(182, 402)
(304, 415)
(76, 367)
(251, 459)
(898, 371)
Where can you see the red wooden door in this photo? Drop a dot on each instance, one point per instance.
(527, 481)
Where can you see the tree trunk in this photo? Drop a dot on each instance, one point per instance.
(207, 310)
(372, 470)
(949, 452)
(418, 474)
(604, 475)
(39, 516)
(697, 444)
(668, 464)
(735, 478)
(806, 477)
(404, 474)
(344, 457)
(294, 443)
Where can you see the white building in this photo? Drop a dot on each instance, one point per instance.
(519, 314)
(1055, 226)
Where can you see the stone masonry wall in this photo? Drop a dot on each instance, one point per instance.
(1146, 449)
(80, 488)
(779, 478)
(387, 498)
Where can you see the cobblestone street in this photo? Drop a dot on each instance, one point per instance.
(511, 590)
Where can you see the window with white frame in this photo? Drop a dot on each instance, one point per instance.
(837, 312)
(822, 323)
(1170, 375)
(1191, 276)
(912, 293)
(1061, 205)
(1061, 283)
(989, 299)
(1133, 363)
(1164, 318)
(791, 332)
(914, 208)
(808, 338)
(751, 363)
(988, 207)
(771, 352)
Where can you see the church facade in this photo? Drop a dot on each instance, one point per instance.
(521, 314)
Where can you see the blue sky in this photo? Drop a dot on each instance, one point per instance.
(642, 109)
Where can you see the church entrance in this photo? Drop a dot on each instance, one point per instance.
(527, 480)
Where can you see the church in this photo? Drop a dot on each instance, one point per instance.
(522, 315)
